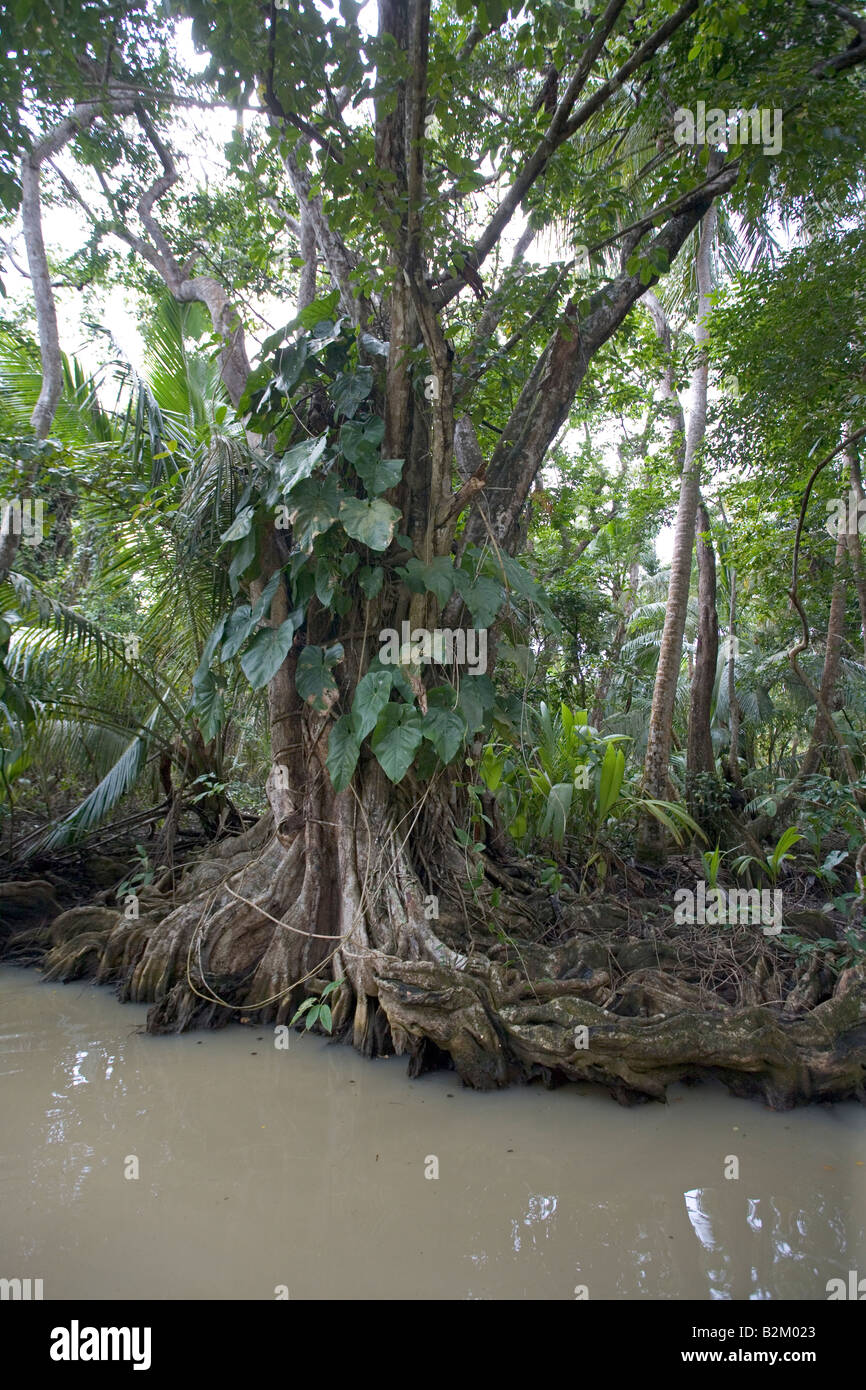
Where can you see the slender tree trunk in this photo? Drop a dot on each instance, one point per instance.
(651, 838)
(855, 549)
(700, 756)
(822, 744)
(733, 764)
(612, 659)
(43, 295)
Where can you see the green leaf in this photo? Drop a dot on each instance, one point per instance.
(209, 707)
(439, 577)
(350, 389)
(491, 768)
(446, 730)
(314, 681)
(319, 311)
(372, 523)
(240, 527)
(326, 581)
(370, 580)
(263, 602)
(290, 363)
(360, 439)
(238, 628)
(483, 598)
(612, 773)
(378, 474)
(396, 739)
(313, 508)
(243, 558)
(371, 696)
(299, 462)
(325, 1017)
(475, 699)
(266, 653)
(556, 811)
(344, 749)
(210, 647)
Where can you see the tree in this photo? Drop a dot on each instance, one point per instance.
(356, 518)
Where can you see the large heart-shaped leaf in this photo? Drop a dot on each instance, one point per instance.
(371, 697)
(396, 740)
(266, 653)
(350, 389)
(483, 598)
(343, 752)
(238, 629)
(314, 680)
(299, 462)
(370, 579)
(438, 577)
(475, 699)
(360, 439)
(378, 474)
(446, 730)
(290, 364)
(372, 523)
(325, 581)
(313, 507)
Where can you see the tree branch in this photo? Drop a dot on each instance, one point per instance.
(563, 124)
(547, 395)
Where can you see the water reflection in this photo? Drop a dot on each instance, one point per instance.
(261, 1167)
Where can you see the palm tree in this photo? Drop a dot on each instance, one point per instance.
(119, 706)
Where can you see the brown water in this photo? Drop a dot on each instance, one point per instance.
(306, 1168)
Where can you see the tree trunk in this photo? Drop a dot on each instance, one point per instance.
(51, 386)
(651, 837)
(823, 743)
(611, 660)
(855, 549)
(733, 764)
(700, 756)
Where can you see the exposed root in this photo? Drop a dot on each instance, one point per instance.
(612, 993)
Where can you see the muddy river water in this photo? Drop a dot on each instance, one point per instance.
(312, 1172)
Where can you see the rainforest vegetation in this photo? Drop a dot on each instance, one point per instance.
(538, 326)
